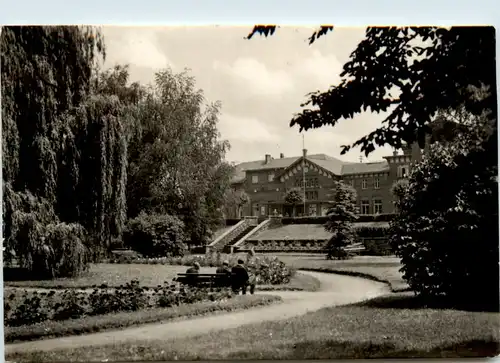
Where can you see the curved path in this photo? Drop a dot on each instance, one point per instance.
(335, 290)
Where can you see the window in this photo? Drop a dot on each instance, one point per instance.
(365, 207)
(363, 184)
(376, 183)
(403, 171)
(270, 177)
(255, 179)
(313, 195)
(377, 206)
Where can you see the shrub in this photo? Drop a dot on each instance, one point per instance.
(49, 250)
(31, 307)
(371, 232)
(68, 246)
(377, 247)
(156, 235)
(30, 310)
(72, 305)
(446, 232)
(342, 214)
(387, 217)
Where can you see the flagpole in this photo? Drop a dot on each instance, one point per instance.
(304, 173)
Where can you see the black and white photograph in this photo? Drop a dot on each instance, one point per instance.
(249, 192)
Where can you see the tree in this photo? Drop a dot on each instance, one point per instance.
(413, 72)
(294, 197)
(341, 215)
(64, 155)
(446, 231)
(235, 200)
(176, 158)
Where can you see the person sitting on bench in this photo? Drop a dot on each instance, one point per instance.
(224, 269)
(239, 278)
(194, 269)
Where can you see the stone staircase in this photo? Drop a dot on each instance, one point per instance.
(233, 235)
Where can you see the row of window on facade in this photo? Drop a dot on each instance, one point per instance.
(402, 172)
(365, 207)
(313, 211)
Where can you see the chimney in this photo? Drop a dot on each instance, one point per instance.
(282, 155)
(304, 152)
(268, 158)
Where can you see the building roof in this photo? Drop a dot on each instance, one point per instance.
(360, 168)
(329, 163)
(261, 165)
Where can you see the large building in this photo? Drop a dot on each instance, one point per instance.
(267, 181)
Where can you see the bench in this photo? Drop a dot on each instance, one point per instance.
(204, 280)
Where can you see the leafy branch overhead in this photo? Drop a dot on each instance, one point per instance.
(410, 72)
(268, 30)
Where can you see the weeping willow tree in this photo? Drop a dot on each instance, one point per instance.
(64, 153)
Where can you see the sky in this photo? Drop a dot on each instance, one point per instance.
(260, 83)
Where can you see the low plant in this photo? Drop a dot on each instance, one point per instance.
(155, 235)
(31, 307)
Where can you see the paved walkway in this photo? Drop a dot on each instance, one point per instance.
(335, 290)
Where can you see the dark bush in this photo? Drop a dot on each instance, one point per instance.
(31, 311)
(371, 232)
(377, 247)
(323, 219)
(156, 235)
(446, 232)
(73, 305)
(232, 221)
(31, 308)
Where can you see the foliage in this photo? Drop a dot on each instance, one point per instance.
(447, 229)
(294, 196)
(377, 247)
(176, 162)
(274, 271)
(399, 188)
(64, 149)
(120, 320)
(383, 217)
(410, 72)
(342, 213)
(373, 231)
(156, 235)
(32, 307)
(44, 246)
(235, 200)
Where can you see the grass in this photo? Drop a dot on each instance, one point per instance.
(383, 269)
(92, 324)
(357, 331)
(115, 275)
(299, 282)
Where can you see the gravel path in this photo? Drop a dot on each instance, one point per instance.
(335, 290)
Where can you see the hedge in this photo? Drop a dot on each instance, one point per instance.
(323, 219)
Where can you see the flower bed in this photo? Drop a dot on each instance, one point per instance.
(120, 320)
(30, 307)
(275, 273)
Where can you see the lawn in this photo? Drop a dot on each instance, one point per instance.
(92, 324)
(384, 269)
(148, 275)
(357, 331)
